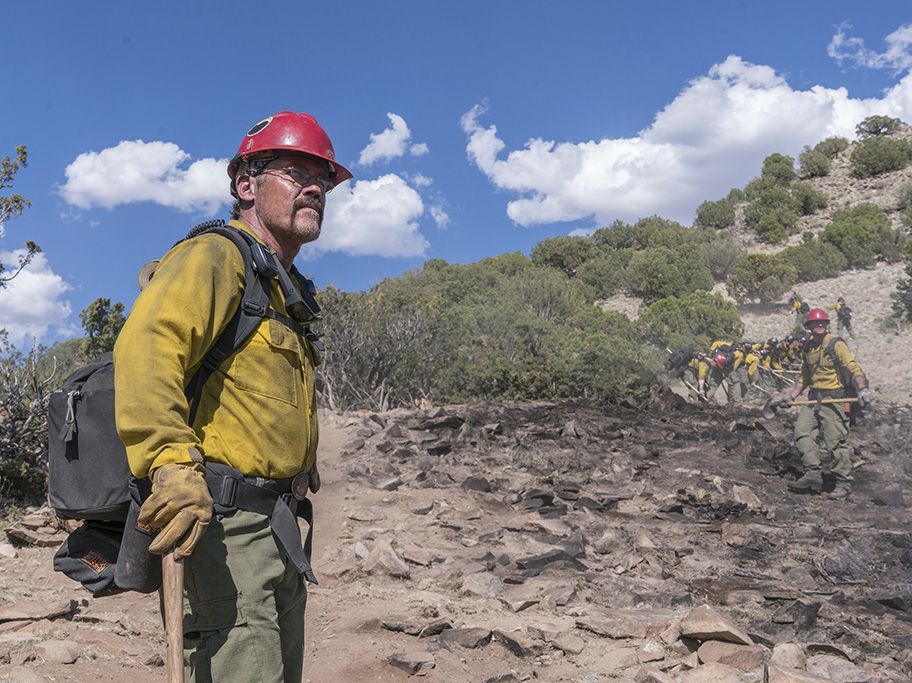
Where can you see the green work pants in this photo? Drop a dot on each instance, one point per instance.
(825, 424)
(737, 385)
(243, 606)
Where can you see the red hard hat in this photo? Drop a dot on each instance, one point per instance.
(816, 315)
(719, 360)
(289, 132)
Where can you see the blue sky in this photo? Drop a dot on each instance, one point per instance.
(472, 128)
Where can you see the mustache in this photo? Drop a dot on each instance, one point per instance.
(310, 203)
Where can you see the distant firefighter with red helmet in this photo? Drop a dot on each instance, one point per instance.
(829, 371)
(231, 477)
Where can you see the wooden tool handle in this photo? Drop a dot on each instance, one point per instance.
(173, 589)
(824, 400)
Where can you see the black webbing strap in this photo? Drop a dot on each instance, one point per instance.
(253, 308)
(272, 498)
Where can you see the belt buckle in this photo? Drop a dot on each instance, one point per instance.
(300, 485)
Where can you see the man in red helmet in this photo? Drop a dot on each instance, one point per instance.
(254, 427)
(830, 371)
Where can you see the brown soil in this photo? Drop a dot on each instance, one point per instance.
(651, 510)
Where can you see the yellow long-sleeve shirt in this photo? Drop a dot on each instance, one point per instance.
(819, 372)
(257, 411)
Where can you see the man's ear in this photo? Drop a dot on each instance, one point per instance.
(245, 185)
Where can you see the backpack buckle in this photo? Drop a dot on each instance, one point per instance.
(227, 492)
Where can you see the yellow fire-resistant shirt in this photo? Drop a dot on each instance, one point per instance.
(257, 411)
(699, 367)
(818, 371)
(750, 359)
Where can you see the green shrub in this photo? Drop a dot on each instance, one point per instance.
(761, 277)
(721, 255)
(778, 169)
(808, 199)
(877, 125)
(771, 229)
(876, 155)
(563, 253)
(660, 272)
(902, 297)
(716, 215)
(605, 273)
(773, 213)
(904, 197)
(815, 260)
(813, 164)
(691, 320)
(862, 233)
(735, 195)
(831, 147)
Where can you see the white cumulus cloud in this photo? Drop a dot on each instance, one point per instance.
(440, 216)
(136, 171)
(391, 143)
(372, 217)
(31, 303)
(713, 136)
(897, 57)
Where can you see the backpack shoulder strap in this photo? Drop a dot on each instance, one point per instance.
(254, 306)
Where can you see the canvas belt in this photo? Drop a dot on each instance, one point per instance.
(815, 394)
(278, 499)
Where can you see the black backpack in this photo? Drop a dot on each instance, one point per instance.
(88, 475)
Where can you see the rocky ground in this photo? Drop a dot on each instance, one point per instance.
(555, 542)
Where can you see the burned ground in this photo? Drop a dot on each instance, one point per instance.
(560, 541)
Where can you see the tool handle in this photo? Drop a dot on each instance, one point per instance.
(173, 590)
(823, 400)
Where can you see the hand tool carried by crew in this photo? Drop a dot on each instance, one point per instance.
(772, 406)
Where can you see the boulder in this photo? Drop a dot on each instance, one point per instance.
(412, 663)
(705, 623)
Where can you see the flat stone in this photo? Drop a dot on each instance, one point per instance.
(645, 675)
(519, 644)
(788, 656)
(627, 623)
(390, 484)
(39, 538)
(506, 677)
(8, 550)
(548, 631)
(518, 604)
(735, 534)
(837, 669)
(741, 657)
(712, 673)
(477, 484)
(779, 674)
(367, 514)
(705, 623)
(609, 542)
(534, 564)
(33, 611)
(33, 521)
(435, 628)
(422, 508)
(59, 651)
(570, 644)
(890, 495)
(422, 436)
(361, 551)
(650, 651)
(420, 556)
(352, 446)
(412, 663)
(743, 495)
(384, 560)
(469, 638)
(482, 584)
(23, 674)
(407, 627)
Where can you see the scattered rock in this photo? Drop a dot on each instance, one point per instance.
(518, 604)
(776, 673)
(367, 514)
(889, 494)
(570, 644)
(59, 651)
(705, 623)
(741, 657)
(482, 584)
(519, 644)
(469, 638)
(8, 551)
(627, 623)
(412, 663)
(435, 628)
(422, 508)
(712, 673)
(477, 484)
(650, 651)
(32, 611)
(420, 556)
(645, 675)
(837, 669)
(383, 559)
(788, 656)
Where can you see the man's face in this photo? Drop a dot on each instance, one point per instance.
(290, 198)
(818, 329)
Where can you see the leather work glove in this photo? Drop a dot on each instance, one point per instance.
(314, 479)
(865, 397)
(179, 508)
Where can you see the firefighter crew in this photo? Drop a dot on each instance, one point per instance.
(843, 317)
(745, 364)
(829, 371)
(256, 424)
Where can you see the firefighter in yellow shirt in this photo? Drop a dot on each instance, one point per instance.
(829, 371)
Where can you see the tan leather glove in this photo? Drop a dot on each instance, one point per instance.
(314, 479)
(179, 508)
